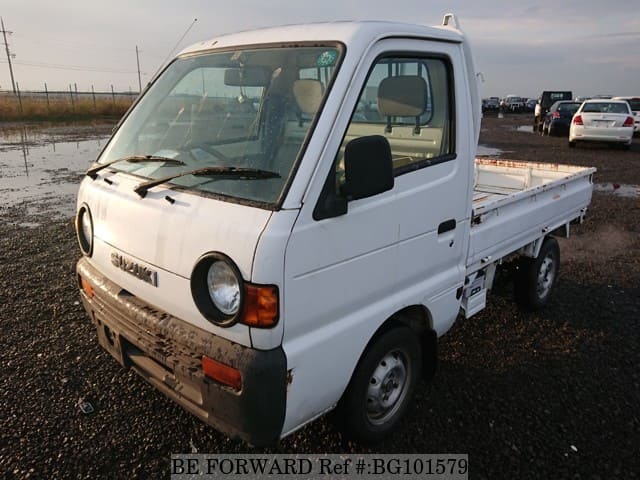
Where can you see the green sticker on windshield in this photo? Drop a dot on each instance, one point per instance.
(327, 58)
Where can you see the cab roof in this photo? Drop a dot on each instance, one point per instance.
(351, 33)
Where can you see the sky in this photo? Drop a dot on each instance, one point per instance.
(522, 47)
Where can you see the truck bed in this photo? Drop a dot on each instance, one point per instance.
(515, 203)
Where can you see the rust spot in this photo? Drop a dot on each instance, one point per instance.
(519, 164)
(289, 376)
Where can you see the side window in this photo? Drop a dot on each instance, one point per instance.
(409, 101)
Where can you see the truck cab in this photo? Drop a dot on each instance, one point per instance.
(282, 224)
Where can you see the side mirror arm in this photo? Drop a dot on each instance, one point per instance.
(331, 203)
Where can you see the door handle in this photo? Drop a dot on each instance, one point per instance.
(446, 226)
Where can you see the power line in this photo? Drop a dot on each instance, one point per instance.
(78, 46)
(75, 45)
(80, 68)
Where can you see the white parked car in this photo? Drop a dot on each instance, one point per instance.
(600, 120)
(634, 103)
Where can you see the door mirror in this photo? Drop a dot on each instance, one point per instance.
(368, 170)
(368, 167)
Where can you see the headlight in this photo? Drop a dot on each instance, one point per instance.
(84, 229)
(224, 288)
(217, 289)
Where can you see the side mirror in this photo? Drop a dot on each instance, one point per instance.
(368, 167)
(368, 171)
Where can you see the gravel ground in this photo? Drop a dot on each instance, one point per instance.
(554, 394)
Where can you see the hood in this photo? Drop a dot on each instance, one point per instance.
(171, 235)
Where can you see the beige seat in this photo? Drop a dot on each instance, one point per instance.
(308, 94)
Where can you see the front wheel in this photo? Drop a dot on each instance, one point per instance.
(536, 277)
(381, 387)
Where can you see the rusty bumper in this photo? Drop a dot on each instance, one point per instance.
(167, 352)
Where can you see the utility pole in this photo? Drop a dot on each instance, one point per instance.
(6, 46)
(139, 80)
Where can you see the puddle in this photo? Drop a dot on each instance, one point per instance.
(620, 190)
(484, 151)
(41, 170)
(29, 225)
(525, 128)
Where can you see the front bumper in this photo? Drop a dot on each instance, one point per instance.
(167, 352)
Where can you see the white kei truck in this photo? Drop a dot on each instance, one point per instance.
(287, 219)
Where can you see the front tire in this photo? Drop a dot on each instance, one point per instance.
(536, 277)
(381, 387)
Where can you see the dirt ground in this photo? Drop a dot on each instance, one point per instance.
(553, 394)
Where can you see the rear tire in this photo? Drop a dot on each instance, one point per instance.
(381, 387)
(572, 144)
(536, 277)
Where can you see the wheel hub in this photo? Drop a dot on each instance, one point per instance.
(387, 387)
(546, 276)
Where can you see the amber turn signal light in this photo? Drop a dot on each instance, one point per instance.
(260, 306)
(86, 287)
(222, 373)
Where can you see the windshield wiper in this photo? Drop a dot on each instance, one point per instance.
(233, 172)
(93, 171)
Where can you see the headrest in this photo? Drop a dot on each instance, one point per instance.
(308, 95)
(402, 96)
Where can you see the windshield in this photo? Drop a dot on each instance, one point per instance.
(243, 109)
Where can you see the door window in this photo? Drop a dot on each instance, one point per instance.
(409, 101)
